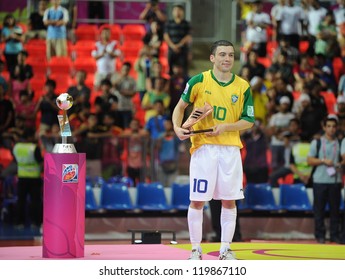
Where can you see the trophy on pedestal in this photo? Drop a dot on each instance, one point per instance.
(64, 102)
(64, 194)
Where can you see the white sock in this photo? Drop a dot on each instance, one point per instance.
(228, 224)
(195, 219)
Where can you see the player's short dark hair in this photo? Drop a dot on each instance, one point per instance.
(219, 43)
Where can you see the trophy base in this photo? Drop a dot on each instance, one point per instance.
(64, 149)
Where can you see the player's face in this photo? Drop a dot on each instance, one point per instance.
(223, 59)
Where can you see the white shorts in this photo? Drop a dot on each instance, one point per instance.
(216, 172)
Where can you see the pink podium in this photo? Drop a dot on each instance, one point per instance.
(64, 205)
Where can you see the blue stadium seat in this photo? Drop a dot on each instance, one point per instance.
(115, 196)
(294, 197)
(151, 196)
(121, 179)
(90, 201)
(260, 197)
(180, 196)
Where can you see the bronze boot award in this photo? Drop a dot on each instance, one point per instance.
(64, 102)
(197, 115)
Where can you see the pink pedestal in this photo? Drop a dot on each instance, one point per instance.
(64, 205)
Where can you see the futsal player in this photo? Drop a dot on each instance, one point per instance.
(216, 165)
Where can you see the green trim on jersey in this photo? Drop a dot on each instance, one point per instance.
(190, 84)
(221, 83)
(248, 107)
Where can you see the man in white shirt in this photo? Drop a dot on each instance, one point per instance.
(339, 16)
(315, 15)
(105, 54)
(256, 33)
(290, 22)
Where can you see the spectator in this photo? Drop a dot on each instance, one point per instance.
(278, 125)
(341, 85)
(125, 87)
(142, 66)
(36, 27)
(29, 159)
(25, 107)
(48, 108)
(21, 76)
(12, 135)
(290, 22)
(178, 36)
(72, 8)
(326, 181)
(323, 71)
(105, 53)
(80, 92)
(284, 67)
(152, 12)
(49, 138)
(151, 96)
(275, 13)
(290, 137)
(133, 153)
(256, 32)
(7, 113)
(315, 15)
(167, 146)
(339, 16)
(154, 38)
(178, 81)
(56, 19)
(256, 69)
(255, 164)
(111, 147)
(12, 35)
(285, 46)
(155, 125)
(260, 99)
(302, 73)
(3, 80)
(326, 37)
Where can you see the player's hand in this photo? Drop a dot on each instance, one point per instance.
(217, 130)
(180, 133)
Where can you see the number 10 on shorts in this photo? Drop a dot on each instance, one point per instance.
(200, 185)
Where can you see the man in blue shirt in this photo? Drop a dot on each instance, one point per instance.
(56, 19)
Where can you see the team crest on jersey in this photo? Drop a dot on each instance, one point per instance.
(70, 173)
(234, 98)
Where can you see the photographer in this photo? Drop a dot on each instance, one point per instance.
(152, 12)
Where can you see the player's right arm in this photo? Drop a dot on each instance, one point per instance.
(177, 118)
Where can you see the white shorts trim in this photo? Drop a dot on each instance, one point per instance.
(216, 172)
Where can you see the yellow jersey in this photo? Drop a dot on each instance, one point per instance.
(231, 102)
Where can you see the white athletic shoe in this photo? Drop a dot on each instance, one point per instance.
(227, 255)
(195, 255)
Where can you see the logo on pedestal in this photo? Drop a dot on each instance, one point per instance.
(70, 173)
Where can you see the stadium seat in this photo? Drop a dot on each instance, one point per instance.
(36, 50)
(131, 48)
(115, 196)
(180, 196)
(39, 64)
(330, 101)
(294, 197)
(303, 46)
(265, 61)
(260, 197)
(151, 196)
(133, 32)
(121, 179)
(88, 64)
(61, 64)
(338, 67)
(83, 49)
(90, 201)
(86, 32)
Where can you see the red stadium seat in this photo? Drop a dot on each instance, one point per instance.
(88, 64)
(86, 32)
(60, 64)
(330, 101)
(131, 48)
(83, 48)
(303, 46)
(133, 32)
